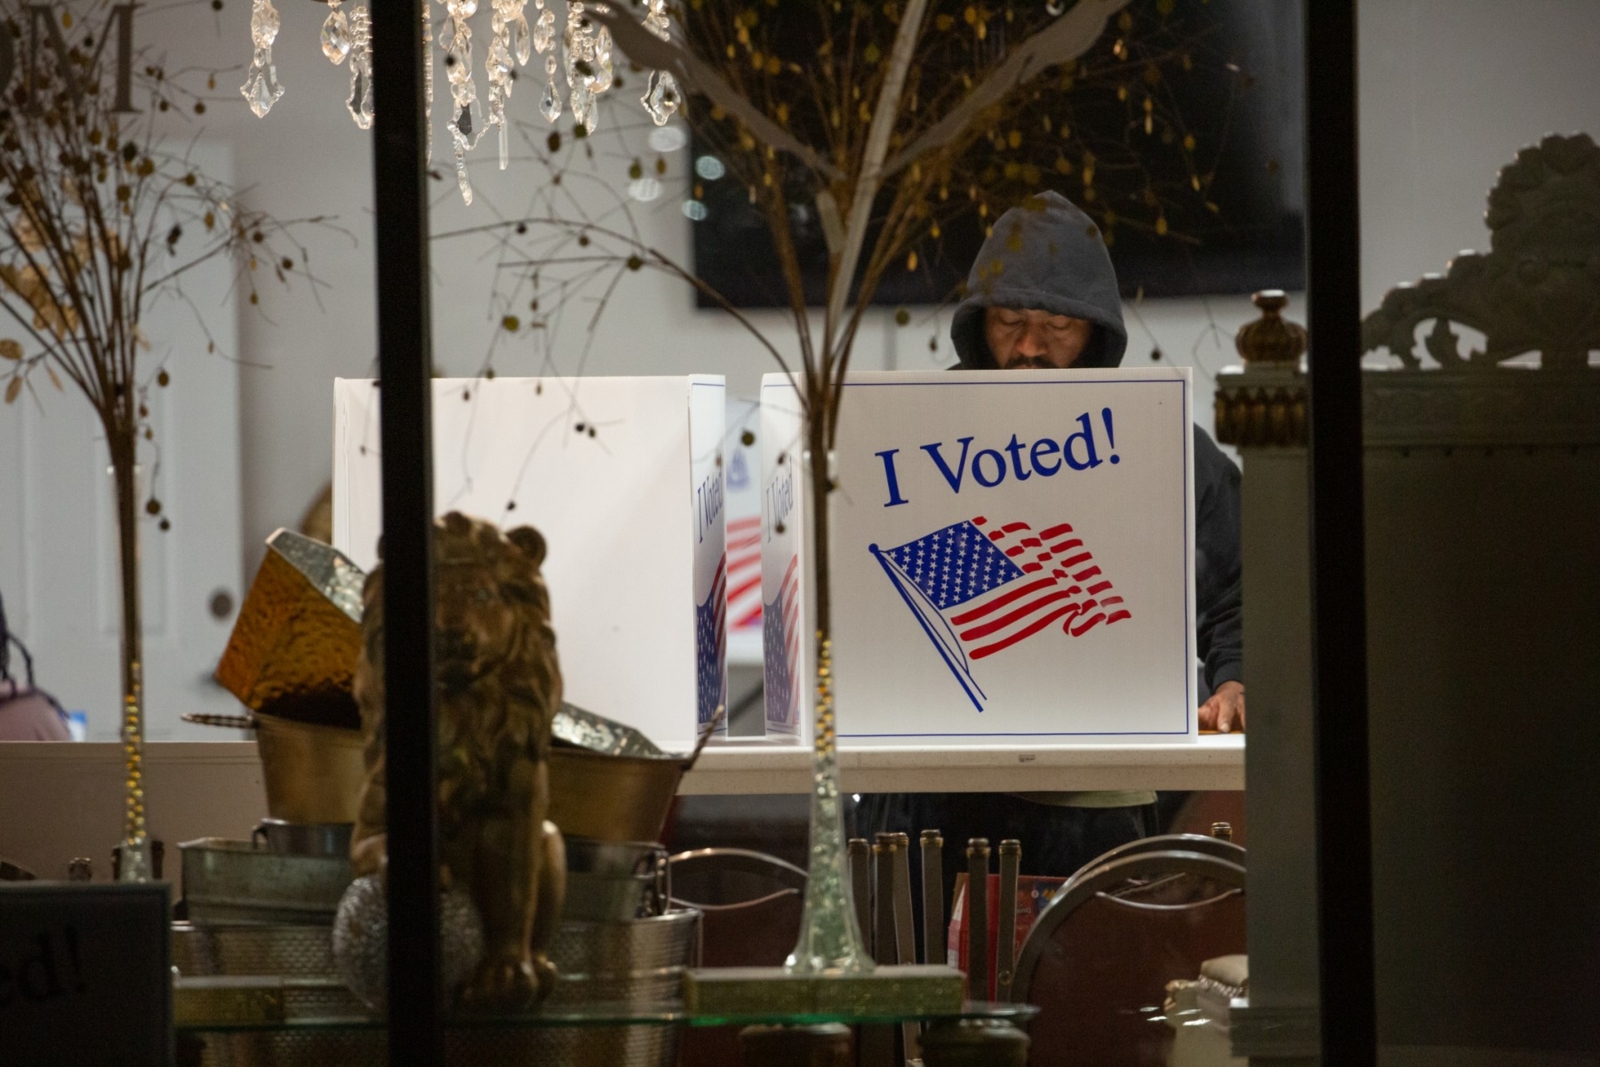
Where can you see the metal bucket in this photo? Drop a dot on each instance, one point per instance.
(303, 838)
(300, 955)
(612, 798)
(621, 792)
(670, 940)
(615, 881)
(635, 991)
(312, 774)
(303, 951)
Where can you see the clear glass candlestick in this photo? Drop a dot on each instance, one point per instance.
(830, 938)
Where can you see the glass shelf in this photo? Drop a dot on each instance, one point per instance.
(598, 1015)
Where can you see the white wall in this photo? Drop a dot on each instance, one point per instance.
(1450, 90)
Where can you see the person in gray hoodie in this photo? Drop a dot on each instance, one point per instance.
(1043, 294)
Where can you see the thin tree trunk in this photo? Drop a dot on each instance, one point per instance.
(821, 486)
(830, 938)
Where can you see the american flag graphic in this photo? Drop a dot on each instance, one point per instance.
(978, 587)
(744, 572)
(710, 643)
(780, 630)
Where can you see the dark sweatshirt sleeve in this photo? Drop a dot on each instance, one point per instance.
(1218, 563)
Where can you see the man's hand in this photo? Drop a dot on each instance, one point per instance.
(1225, 710)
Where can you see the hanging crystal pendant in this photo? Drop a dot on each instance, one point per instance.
(579, 42)
(550, 104)
(544, 29)
(463, 182)
(360, 102)
(521, 39)
(336, 34)
(427, 81)
(261, 89)
(655, 19)
(660, 97)
(583, 108)
(466, 121)
(604, 70)
(504, 48)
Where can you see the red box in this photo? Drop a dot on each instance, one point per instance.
(1034, 894)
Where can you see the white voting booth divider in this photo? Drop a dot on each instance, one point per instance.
(1012, 556)
(624, 478)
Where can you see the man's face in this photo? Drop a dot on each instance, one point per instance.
(1028, 337)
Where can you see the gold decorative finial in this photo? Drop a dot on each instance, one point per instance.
(1270, 339)
(1266, 405)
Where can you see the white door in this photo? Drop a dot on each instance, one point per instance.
(58, 534)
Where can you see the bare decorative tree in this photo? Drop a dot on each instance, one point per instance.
(101, 218)
(889, 123)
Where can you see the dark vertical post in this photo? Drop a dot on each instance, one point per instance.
(404, 368)
(860, 853)
(1338, 543)
(978, 919)
(933, 932)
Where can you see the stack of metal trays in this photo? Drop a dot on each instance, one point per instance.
(627, 967)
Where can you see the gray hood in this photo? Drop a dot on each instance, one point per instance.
(1045, 254)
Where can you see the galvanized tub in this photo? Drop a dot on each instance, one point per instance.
(670, 940)
(232, 881)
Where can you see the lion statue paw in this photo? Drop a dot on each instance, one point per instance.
(501, 985)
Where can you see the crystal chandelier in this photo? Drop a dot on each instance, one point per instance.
(582, 56)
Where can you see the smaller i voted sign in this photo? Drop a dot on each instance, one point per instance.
(84, 976)
(1012, 555)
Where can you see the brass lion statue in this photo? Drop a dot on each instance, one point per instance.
(499, 687)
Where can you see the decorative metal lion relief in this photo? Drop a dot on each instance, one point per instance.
(1537, 289)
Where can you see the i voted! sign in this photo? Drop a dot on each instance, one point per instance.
(1012, 557)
